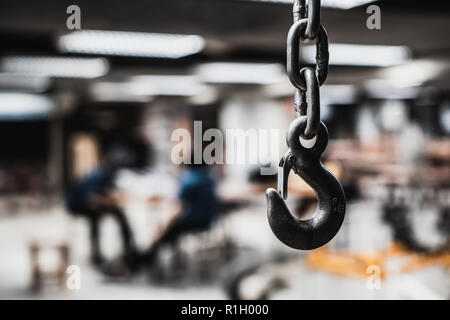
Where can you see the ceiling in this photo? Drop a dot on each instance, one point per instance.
(234, 30)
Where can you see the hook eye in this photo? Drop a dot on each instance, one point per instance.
(302, 148)
(308, 143)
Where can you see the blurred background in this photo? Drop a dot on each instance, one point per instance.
(92, 207)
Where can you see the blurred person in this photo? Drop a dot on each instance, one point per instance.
(95, 196)
(198, 207)
(194, 208)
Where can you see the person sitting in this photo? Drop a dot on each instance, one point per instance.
(94, 196)
(199, 207)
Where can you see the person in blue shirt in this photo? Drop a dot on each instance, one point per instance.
(95, 196)
(199, 207)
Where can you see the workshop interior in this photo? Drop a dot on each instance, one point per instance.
(225, 149)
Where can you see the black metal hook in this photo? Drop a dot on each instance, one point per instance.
(327, 220)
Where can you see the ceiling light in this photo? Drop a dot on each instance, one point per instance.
(416, 72)
(166, 85)
(144, 87)
(60, 67)
(116, 92)
(21, 82)
(338, 4)
(241, 73)
(24, 106)
(137, 44)
(388, 89)
(338, 94)
(359, 55)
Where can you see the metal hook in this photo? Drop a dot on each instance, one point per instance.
(327, 220)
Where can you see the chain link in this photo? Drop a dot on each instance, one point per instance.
(307, 26)
(299, 10)
(313, 19)
(293, 54)
(312, 104)
(311, 12)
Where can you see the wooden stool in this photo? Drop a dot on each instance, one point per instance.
(39, 274)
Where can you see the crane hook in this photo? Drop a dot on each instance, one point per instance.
(305, 162)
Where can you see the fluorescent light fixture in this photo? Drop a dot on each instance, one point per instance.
(21, 82)
(241, 73)
(415, 73)
(359, 55)
(116, 92)
(136, 44)
(388, 89)
(144, 87)
(338, 4)
(338, 94)
(24, 106)
(208, 95)
(405, 81)
(166, 85)
(60, 67)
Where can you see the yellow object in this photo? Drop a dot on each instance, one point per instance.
(355, 264)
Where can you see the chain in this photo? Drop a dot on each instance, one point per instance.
(303, 156)
(299, 12)
(307, 26)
